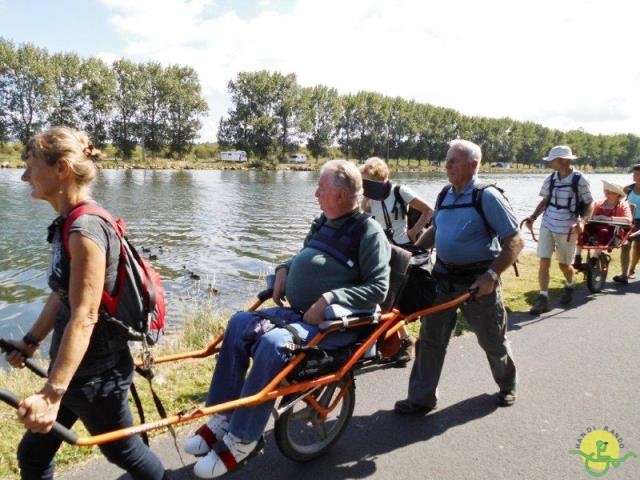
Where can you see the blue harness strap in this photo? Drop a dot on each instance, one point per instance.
(341, 243)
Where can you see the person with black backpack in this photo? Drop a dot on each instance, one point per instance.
(402, 214)
(469, 258)
(91, 367)
(566, 200)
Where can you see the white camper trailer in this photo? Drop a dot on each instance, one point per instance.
(234, 156)
(298, 158)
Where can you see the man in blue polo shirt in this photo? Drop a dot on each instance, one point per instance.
(471, 254)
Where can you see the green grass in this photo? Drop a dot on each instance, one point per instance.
(520, 292)
(180, 385)
(183, 385)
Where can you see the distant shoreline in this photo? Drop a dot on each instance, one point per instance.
(408, 166)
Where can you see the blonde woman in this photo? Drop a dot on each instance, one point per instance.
(91, 367)
(390, 205)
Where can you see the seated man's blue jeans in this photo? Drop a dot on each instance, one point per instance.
(270, 354)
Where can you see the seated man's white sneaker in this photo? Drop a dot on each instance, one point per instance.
(232, 453)
(207, 436)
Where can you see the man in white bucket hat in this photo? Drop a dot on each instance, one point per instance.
(566, 200)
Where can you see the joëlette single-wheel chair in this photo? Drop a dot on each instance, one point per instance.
(317, 396)
(601, 235)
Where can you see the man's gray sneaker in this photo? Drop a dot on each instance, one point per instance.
(567, 295)
(541, 305)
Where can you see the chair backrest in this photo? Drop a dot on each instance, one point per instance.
(399, 263)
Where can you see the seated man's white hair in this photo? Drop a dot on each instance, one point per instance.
(346, 175)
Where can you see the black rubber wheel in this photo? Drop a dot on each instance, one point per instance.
(302, 434)
(597, 269)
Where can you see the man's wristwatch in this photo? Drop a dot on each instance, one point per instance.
(492, 273)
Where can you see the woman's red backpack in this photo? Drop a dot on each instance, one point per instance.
(137, 306)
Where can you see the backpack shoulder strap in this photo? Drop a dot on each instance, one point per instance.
(552, 183)
(575, 181)
(476, 199)
(484, 184)
(398, 201)
(399, 205)
(86, 209)
(477, 203)
(108, 301)
(441, 196)
(396, 194)
(629, 190)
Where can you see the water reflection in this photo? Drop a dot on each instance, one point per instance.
(228, 228)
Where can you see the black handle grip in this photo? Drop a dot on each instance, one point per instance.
(64, 433)
(265, 294)
(473, 292)
(31, 365)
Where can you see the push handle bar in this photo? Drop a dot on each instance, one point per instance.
(267, 292)
(30, 364)
(64, 433)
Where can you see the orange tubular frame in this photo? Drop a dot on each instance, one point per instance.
(387, 325)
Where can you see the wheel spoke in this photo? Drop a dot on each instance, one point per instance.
(321, 430)
(303, 414)
(327, 395)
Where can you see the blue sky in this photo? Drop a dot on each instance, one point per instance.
(84, 27)
(569, 64)
(73, 26)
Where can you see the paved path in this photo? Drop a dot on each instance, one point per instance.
(579, 368)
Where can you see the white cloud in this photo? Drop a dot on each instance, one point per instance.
(567, 64)
(107, 57)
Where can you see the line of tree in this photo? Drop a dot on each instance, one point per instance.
(125, 104)
(272, 115)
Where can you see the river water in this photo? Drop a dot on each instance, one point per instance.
(215, 233)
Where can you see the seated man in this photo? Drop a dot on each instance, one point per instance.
(344, 260)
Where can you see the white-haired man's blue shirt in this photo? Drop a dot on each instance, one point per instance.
(461, 235)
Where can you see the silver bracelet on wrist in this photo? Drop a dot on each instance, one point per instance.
(57, 389)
